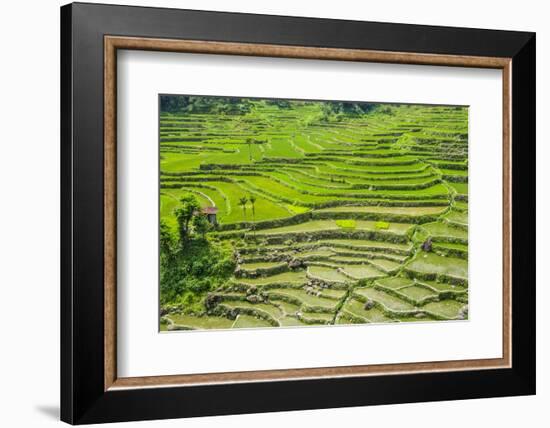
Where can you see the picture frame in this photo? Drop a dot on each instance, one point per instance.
(91, 390)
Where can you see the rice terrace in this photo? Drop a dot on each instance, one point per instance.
(280, 213)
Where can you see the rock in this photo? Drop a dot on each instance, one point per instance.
(427, 245)
(463, 312)
(369, 305)
(253, 298)
(420, 315)
(295, 263)
(211, 301)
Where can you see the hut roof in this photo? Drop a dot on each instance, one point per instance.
(209, 210)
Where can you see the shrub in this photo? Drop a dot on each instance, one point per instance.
(194, 270)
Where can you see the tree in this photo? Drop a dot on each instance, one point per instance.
(166, 240)
(173, 103)
(201, 225)
(242, 203)
(252, 200)
(338, 110)
(249, 142)
(184, 214)
(283, 104)
(177, 104)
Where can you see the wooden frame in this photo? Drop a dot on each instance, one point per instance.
(112, 43)
(513, 53)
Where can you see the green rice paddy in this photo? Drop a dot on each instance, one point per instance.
(349, 215)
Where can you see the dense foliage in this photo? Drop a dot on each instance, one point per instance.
(191, 104)
(191, 264)
(337, 111)
(279, 103)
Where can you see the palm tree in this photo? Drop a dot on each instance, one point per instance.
(252, 200)
(242, 203)
(249, 142)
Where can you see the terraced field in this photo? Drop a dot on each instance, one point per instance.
(332, 218)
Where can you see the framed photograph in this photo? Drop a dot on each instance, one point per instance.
(277, 213)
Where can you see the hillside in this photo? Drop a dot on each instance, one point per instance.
(351, 215)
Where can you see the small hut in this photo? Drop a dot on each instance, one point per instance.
(210, 213)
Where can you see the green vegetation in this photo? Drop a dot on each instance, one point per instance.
(347, 224)
(248, 321)
(296, 213)
(190, 263)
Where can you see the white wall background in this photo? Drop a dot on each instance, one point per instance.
(29, 215)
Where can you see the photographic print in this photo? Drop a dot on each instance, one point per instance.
(297, 213)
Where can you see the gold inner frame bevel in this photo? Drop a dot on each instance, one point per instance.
(113, 43)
